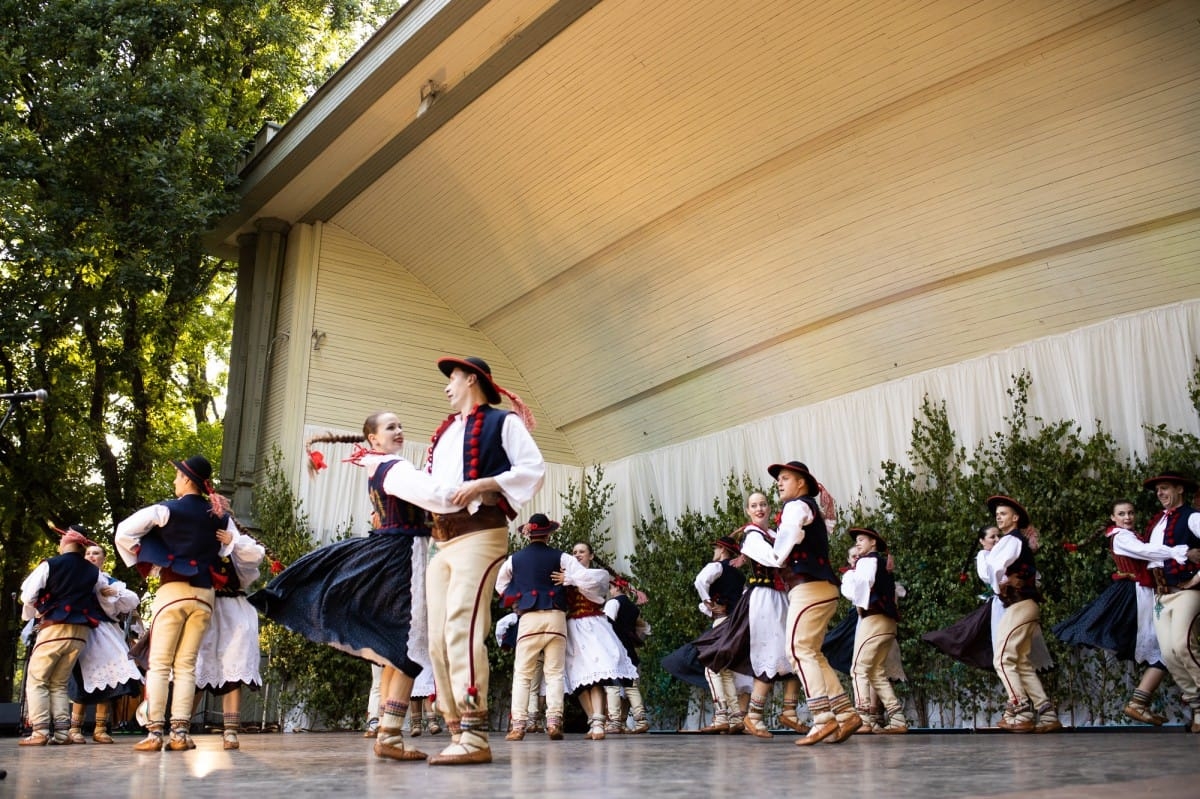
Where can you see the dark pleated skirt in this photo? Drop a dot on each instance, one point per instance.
(1107, 622)
(727, 646)
(968, 640)
(354, 595)
(838, 646)
(684, 664)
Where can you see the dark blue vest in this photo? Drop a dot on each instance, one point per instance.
(883, 591)
(727, 589)
(810, 558)
(531, 587)
(186, 547)
(70, 593)
(483, 448)
(396, 516)
(1177, 532)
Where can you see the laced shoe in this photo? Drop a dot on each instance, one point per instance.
(153, 742)
(180, 741)
(897, 725)
(390, 744)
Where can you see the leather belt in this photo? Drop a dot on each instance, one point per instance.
(448, 526)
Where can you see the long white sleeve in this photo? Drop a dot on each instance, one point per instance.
(123, 601)
(130, 531)
(424, 490)
(592, 583)
(504, 576)
(856, 583)
(1127, 543)
(524, 478)
(31, 587)
(756, 548)
(704, 580)
(796, 514)
(1001, 556)
(246, 554)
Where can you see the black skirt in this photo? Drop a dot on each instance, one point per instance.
(684, 664)
(354, 595)
(1107, 622)
(968, 640)
(727, 646)
(838, 646)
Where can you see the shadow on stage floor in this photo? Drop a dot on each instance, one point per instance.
(1116, 764)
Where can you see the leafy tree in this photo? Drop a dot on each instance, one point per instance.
(121, 128)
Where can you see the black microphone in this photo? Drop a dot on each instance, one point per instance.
(20, 396)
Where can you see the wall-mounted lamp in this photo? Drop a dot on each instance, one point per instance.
(318, 338)
(430, 91)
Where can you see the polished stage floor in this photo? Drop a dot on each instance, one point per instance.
(1080, 763)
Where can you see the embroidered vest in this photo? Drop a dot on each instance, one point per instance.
(186, 548)
(531, 587)
(1025, 570)
(1177, 532)
(579, 606)
(396, 516)
(727, 589)
(1127, 568)
(70, 593)
(883, 591)
(625, 625)
(764, 576)
(810, 557)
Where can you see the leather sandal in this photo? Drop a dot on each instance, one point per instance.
(756, 728)
(35, 739)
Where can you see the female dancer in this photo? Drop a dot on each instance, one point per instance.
(595, 656)
(754, 638)
(229, 653)
(366, 596)
(1121, 619)
(104, 671)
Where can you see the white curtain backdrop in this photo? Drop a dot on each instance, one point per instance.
(1126, 372)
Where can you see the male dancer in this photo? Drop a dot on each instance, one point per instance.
(490, 464)
(801, 550)
(527, 585)
(1177, 585)
(624, 615)
(62, 594)
(872, 590)
(1012, 574)
(720, 586)
(177, 541)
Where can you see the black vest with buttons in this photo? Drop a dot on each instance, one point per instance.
(70, 593)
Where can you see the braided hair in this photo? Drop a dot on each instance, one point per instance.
(316, 461)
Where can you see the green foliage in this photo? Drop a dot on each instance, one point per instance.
(331, 688)
(121, 129)
(666, 559)
(587, 505)
(930, 513)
